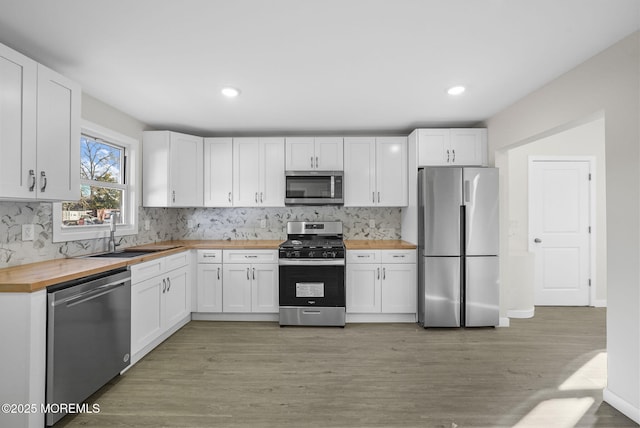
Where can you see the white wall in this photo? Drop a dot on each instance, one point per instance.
(609, 83)
(583, 140)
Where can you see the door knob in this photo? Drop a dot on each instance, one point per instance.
(537, 240)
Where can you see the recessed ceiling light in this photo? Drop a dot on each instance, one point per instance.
(456, 90)
(230, 92)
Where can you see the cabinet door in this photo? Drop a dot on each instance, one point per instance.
(359, 171)
(176, 297)
(300, 154)
(363, 288)
(391, 172)
(264, 288)
(186, 170)
(218, 172)
(18, 76)
(209, 284)
(329, 154)
(468, 146)
(271, 192)
(146, 319)
(432, 147)
(399, 288)
(58, 137)
(246, 171)
(236, 288)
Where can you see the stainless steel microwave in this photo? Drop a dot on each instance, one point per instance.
(314, 188)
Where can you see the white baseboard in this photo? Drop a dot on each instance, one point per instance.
(622, 405)
(373, 318)
(504, 322)
(157, 341)
(602, 303)
(228, 316)
(521, 313)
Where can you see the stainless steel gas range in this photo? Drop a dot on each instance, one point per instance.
(312, 274)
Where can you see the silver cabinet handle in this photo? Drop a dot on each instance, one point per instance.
(311, 161)
(256, 197)
(378, 273)
(384, 273)
(168, 284)
(173, 196)
(261, 200)
(373, 197)
(537, 241)
(378, 197)
(454, 156)
(32, 178)
(316, 161)
(164, 285)
(218, 273)
(447, 155)
(229, 197)
(43, 181)
(248, 274)
(254, 273)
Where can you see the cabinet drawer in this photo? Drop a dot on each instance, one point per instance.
(399, 256)
(255, 256)
(146, 270)
(363, 256)
(209, 256)
(176, 261)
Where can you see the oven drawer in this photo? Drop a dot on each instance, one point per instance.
(312, 286)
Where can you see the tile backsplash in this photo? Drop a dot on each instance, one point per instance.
(184, 223)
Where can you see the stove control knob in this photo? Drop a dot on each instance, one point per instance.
(311, 254)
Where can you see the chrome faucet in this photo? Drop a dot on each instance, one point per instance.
(112, 233)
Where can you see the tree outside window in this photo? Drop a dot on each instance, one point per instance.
(102, 185)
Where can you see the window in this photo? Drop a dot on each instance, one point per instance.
(107, 191)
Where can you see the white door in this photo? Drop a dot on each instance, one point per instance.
(246, 171)
(300, 154)
(186, 170)
(559, 219)
(399, 288)
(329, 154)
(218, 172)
(209, 287)
(264, 287)
(359, 171)
(271, 189)
(391, 172)
(177, 302)
(236, 288)
(363, 288)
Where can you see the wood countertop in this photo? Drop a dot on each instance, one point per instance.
(378, 244)
(37, 276)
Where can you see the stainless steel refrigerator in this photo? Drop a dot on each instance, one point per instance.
(458, 243)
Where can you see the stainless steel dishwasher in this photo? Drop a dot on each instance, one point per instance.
(88, 337)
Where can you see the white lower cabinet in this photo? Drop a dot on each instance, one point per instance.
(250, 281)
(209, 281)
(381, 282)
(160, 301)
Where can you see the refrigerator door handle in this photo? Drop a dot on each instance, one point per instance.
(467, 191)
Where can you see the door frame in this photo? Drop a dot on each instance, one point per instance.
(592, 210)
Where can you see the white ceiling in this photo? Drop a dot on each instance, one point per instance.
(303, 66)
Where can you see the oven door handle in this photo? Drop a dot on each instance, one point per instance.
(311, 262)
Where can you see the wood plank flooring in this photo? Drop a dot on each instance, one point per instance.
(233, 374)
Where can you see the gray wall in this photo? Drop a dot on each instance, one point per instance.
(608, 83)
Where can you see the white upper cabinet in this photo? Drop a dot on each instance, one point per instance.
(258, 172)
(452, 147)
(314, 154)
(172, 169)
(39, 131)
(375, 171)
(218, 172)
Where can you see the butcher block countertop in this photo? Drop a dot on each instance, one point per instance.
(37, 276)
(378, 244)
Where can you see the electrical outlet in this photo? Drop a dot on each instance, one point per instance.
(372, 223)
(190, 224)
(263, 223)
(28, 232)
(147, 225)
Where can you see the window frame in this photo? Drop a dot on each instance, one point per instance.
(131, 146)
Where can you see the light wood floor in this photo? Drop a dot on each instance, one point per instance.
(219, 374)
